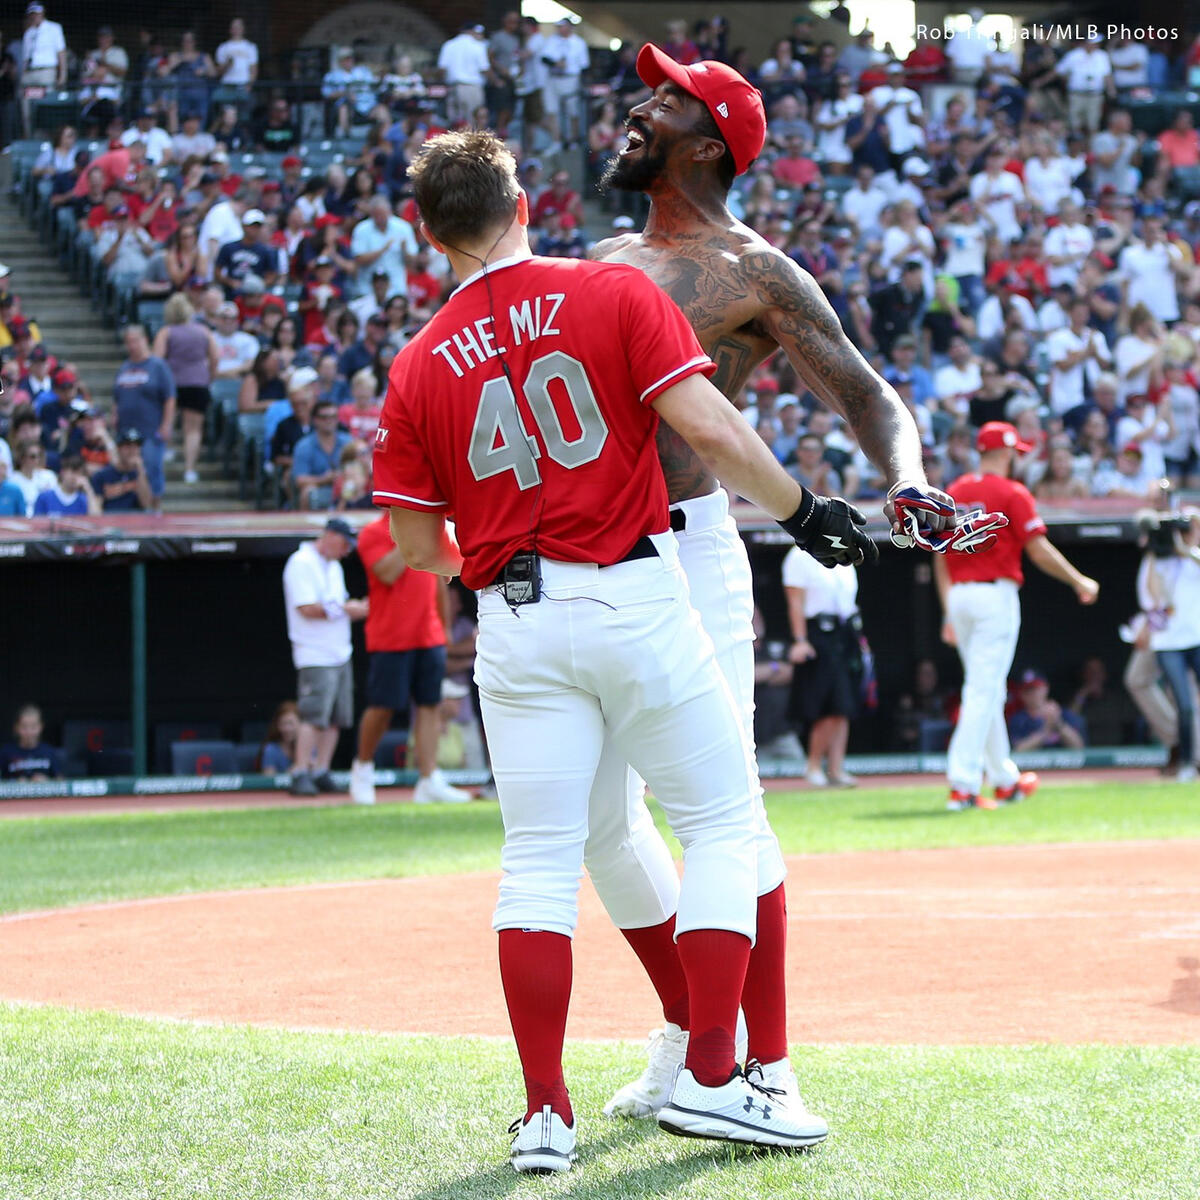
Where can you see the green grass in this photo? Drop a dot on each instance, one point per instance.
(65, 860)
(97, 1106)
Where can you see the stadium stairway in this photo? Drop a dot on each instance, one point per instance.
(76, 335)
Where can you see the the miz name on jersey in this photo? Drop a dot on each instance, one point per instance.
(474, 344)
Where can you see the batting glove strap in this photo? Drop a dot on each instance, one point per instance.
(831, 531)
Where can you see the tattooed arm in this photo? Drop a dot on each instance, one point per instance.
(798, 317)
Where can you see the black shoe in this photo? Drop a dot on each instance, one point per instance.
(303, 784)
(324, 782)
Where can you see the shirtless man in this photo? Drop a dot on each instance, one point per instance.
(703, 126)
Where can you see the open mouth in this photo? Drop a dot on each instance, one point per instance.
(635, 141)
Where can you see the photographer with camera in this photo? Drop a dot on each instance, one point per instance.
(1169, 592)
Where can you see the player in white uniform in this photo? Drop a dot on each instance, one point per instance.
(585, 633)
(980, 598)
(702, 126)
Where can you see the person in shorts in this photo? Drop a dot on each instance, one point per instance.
(319, 612)
(406, 645)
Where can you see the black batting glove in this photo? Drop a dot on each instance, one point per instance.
(831, 531)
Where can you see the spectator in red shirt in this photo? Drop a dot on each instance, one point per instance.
(793, 167)
(361, 416)
(679, 46)
(119, 166)
(926, 64)
(558, 198)
(101, 216)
(320, 292)
(424, 288)
(406, 648)
(1178, 146)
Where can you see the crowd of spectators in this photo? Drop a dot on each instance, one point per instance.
(996, 238)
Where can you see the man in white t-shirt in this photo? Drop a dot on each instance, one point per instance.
(1049, 177)
(1130, 62)
(319, 612)
(464, 63)
(1067, 245)
(155, 138)
(1074, 351)
(237, 58)
(1088, 74)
(383, 242)
(957, 382)
(43, 57)
(1150, 267)
(863, 203)
(236, 349)
(222, 224)
(996, 193)
(902, 114)
(566, 58)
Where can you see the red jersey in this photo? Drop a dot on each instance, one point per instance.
(994, 493)
(567, 465)
(403, 615)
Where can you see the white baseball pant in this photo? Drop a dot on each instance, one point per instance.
(626, 857)
(986, 618)
(613, 653)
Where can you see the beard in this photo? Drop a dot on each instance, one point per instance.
(637, 173)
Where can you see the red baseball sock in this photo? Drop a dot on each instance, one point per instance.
(655, 947)
(764, 998)
(535, 968)
(714, 962)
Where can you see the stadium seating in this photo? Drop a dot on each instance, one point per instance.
(203, 758)
(392, 751)
(97, 747)
(169, 732)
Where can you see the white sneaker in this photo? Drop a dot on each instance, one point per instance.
(844, 780)
(543, 1144)
(435, 790)
(737, 1111)
(362, 782)
(190, 477)
(817, 778)
(666, 1050)
(779, 1080)
(1186, 774)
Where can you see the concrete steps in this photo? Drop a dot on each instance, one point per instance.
(76, 336)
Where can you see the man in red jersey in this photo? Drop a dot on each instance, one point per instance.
(527, 408)
(983, 618)
(406, 648)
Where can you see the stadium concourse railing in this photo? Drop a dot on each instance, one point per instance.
(152, 606)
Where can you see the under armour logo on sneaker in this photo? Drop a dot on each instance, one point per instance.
(765, 1109)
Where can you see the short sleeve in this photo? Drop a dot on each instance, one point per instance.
(302, 584)
(1023, 515)
(404, 475)
(660, 345)
(374, 543)
(799, 568)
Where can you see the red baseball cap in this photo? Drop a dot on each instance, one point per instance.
(1000, 435)
(735, 103)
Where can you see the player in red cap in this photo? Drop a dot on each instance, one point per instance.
(703, 125)
(983, 618)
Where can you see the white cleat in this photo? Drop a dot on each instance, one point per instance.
(544, 1144)
(779, 1080)
(737, 1111)
(362, 782)
(666, 1050)
(434, 789)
